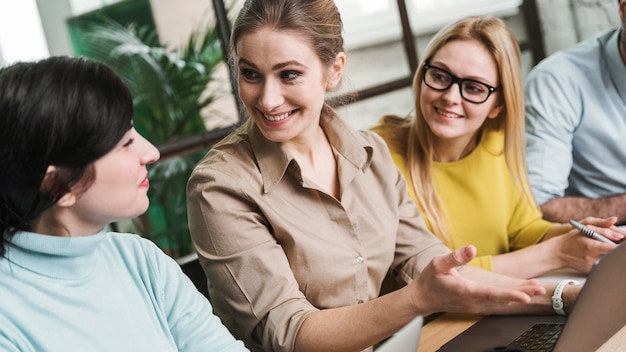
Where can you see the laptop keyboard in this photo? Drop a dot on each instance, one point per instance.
(540, 337)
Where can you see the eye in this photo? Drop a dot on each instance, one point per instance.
(249, 75)
(290, 75)
(439, 76)
(129, 142)
(474, 88)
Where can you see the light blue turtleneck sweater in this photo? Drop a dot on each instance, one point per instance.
(105, 292)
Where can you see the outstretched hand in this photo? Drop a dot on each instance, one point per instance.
(442, 287)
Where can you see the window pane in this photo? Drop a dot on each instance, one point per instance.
(19, 24)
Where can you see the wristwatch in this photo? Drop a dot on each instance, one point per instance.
(557, 301)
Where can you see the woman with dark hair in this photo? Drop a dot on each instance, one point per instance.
(71, 163)
(297, 218)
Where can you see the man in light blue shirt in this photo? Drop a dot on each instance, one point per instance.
(576, 128)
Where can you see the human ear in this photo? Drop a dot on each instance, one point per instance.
(68, 199)
(335, 71)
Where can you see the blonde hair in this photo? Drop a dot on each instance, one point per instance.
(413, 139)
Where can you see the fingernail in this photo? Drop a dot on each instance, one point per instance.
(466, 251)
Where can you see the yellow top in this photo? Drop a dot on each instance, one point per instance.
(485, 206)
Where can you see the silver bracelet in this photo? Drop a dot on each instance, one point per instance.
(557, 301)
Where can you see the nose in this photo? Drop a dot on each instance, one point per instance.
(453, 93)
(149, 153)
(271, 95)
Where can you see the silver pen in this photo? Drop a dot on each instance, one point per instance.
(589, 232)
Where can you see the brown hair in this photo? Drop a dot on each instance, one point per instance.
(319, 21)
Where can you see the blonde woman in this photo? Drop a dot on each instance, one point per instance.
(463, 156)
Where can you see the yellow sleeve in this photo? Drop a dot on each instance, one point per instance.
(484, 261)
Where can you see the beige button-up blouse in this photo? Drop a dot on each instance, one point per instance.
(276, 248)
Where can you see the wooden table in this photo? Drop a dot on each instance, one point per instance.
(442, 329)
(615, 343)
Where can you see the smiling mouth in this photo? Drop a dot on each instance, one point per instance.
(276, 118)
(448, 114)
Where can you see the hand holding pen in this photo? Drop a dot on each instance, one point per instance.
(589, 232)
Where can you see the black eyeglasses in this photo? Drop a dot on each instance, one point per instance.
(471, 90)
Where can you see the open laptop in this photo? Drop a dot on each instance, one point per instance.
(599, 312)
(405, 340)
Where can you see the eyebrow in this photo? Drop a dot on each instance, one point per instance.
(484, 80)
(275, 67)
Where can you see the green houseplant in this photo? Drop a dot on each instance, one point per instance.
(169, 89)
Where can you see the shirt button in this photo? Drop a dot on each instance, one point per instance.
(359, 260)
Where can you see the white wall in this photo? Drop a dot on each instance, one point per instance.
(54, 13)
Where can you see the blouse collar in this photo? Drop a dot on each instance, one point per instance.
(273, 160)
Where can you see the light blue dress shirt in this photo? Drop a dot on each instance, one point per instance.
(576, 121)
